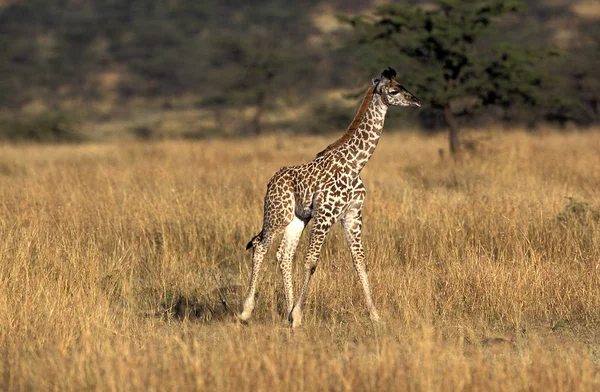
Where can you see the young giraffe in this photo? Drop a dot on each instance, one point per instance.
(326, 189)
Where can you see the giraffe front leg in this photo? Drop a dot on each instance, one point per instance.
(318, 231)
(352, 224)
(285, 256)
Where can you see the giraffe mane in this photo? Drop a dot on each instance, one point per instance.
(362, 110)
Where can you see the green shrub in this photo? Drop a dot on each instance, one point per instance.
(43, 128)
(577, 212)
(327, 117)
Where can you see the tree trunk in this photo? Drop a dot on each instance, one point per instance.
(256, 121)
(256, 126)
(218, 113)
(453, 134)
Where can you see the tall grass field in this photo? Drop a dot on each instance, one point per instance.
(122, 267)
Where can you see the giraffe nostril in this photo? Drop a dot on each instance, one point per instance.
(416, 102)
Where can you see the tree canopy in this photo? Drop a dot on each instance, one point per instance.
(445, 58)
(244, 61)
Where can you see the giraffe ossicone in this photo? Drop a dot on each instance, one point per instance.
(325, 190)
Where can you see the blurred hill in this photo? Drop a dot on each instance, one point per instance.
(152, 68)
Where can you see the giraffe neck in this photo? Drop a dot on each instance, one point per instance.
(362, 110)
(361, 145)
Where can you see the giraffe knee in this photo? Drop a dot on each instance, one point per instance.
(260, 247)
(361, 265)
(311, 267)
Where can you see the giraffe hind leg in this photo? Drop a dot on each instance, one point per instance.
(279, 212)
(318, 232)
(258, 255)
(285, 256)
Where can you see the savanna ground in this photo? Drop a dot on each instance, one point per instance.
(122, 265)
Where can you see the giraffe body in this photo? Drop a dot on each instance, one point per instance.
(325, 190)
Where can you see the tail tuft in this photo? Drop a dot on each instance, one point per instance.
(254, 241)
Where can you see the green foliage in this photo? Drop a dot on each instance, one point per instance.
(448, 56)
(444, 55)
(61, 43)
(512, 75)
(327, 116)
(143, 132)
(260, 59)
(240, 58)
(578, 212)
(266, 54)
(44, 128)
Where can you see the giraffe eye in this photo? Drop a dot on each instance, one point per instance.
(395, 92)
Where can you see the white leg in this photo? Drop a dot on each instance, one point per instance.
(285, 256)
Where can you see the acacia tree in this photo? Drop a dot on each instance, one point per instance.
(445, 51)
(260, 59)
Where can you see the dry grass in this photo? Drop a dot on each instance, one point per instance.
(112, 257)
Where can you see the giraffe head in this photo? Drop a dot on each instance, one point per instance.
(392, 92)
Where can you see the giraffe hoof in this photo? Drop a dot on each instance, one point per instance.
(375, 318)
(239, 320)
(295, 319)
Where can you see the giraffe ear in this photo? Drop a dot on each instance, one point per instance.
(378, 83)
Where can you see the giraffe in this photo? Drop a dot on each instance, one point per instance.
(325, 190)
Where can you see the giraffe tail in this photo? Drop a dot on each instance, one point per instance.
(257, 238)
